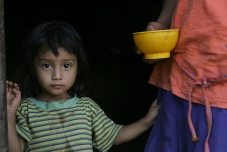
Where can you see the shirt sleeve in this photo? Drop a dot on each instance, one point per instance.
(104, 129)
(22, 122)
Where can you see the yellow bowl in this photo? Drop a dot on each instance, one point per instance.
(156, 44)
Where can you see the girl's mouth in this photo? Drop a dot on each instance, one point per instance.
(56, 86)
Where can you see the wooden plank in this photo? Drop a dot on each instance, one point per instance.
(3, 105)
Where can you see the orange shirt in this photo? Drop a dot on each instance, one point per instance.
(201, 49)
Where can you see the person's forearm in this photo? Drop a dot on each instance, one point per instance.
(133, 130)
(166, 14)
(13, 138)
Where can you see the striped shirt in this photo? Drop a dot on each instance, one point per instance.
(77, 124)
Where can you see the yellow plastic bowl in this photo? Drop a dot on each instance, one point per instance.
(156, 44)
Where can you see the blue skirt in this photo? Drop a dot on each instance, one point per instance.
(171, 132)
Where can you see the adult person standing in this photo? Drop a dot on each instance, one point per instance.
(192, 82)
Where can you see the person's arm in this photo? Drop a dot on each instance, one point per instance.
(131, 131)
(162, 22)
(16, 143)
(166, 14)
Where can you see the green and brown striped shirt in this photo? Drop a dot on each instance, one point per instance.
(75, 125)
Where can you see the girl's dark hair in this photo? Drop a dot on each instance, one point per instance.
(49, 36)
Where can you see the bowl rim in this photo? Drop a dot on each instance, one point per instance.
(155, 31)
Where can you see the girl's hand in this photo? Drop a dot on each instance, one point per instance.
(153, 112)
(133, 130)
(13, 96)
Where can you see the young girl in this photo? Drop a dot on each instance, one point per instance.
(193, 81)
(54, 115)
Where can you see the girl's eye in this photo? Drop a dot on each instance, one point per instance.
(67, 66)
(47, 66)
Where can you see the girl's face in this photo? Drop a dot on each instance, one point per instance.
(55, 74)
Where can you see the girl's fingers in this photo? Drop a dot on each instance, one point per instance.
(16, 86)
(10, 88)
(154, 102)
(7, 86)
(16, 93)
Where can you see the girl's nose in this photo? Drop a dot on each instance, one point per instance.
(57, 74)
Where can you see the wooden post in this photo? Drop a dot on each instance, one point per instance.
(3, 105)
